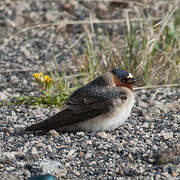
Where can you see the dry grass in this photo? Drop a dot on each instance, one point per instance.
(149, 45)
(150, 49)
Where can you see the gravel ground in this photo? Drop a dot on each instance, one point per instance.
(125, 153)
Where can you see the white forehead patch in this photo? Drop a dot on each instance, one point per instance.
(130, 75)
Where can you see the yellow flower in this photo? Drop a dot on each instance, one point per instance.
(38, 76)
(44, 81)
(47, 79)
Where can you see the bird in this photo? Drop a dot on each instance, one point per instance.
(43, 177)
(169, 155)
(101, 105)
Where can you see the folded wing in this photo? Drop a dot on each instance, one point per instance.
(82, 105)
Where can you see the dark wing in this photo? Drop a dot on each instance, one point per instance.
(82, 105)
(170, 155)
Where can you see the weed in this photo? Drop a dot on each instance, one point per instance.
(150, 49)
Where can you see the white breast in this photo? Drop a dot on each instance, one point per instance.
(110, 121)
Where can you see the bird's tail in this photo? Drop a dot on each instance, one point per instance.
(52, 122)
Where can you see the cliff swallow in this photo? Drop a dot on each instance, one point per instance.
(43, 177)
(101, 105)
(169, 155)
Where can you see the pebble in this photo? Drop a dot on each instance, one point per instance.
(10, 155)
(52, 16)
(11, 130)
(165, 174)
(49, 148)
(26, 173)
(167, 135)
(120, 153)
(53, 133)
(146, 125)
(50, 166)
(71, 152)
(14, 116)
(34, 151)
(174, 127)
(174, 174)
(89, 142)
(80, 133)
(88, 155)
(62, 173)
(143, 104)
(14, 79)
(3, 96)
(102, 135)
(131, 142)
(41, 145)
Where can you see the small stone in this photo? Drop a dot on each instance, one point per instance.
(102, 135)
(20, 154)
(141, 169)
(69, 7)
(34, 151)
(32, 15)
(88, 155)
(26, 173)
(156, 110)
(25, 149)
(89, 142)
(174, 127)
(102, 8)
(77, 173)
(53, 133)
(174, 106)
(50, 166)
(61, 172)
(49, 148)
(167, 135)
(10, 155)
(3, 96)
(80, 133)
(99, 30)
(147, 117)
(143, 104)
(9, 90)
(71, 152)
(14, 79)
(146, 125)
(25, 51)
(81, 154)
(41, 145)
(165, 174)
(174, 174)
(10, 130)
(25, 82)
(14, 116)
(51, 16)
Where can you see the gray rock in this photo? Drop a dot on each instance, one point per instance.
(3, 96)
(50, 166)
(102, 135)
(14, 79)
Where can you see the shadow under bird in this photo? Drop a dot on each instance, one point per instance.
(101, 105)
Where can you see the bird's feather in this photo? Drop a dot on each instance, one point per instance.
(82, 105)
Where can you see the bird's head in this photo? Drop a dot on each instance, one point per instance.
(123, 78)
